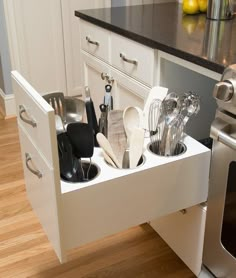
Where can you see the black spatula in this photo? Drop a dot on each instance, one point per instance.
(70, 169)
(82, 139)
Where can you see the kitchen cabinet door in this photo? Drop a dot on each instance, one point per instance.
(127, 91)
(93, 69)
(72, 34)
(36, 42)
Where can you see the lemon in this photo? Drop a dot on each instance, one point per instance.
(202, 5)
(190, 6)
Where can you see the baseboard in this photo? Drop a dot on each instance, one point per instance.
(7, 105)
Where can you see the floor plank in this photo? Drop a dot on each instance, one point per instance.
(25, 251)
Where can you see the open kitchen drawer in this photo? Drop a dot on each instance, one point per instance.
(73, 214)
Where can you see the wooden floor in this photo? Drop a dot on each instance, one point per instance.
(26, 252)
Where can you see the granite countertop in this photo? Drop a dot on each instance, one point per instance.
(208, 43)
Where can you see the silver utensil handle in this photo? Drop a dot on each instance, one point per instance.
(92, 42)
(227, 140)
(35, 172)
(131, 61)
(29, 121)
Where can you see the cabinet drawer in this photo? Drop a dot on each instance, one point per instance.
(34, 114)
(95, 40)
(117, 198)
(132, 58)
(40, 180)
(184, 233)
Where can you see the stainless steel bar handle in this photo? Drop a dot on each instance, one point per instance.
(131, 61)
(29, 121)
(35, 172)
(227, 140)
(92, 42)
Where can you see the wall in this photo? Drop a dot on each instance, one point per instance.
(5, 65)
(118, 3)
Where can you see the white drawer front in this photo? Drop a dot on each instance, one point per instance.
(184, 233)
(40, 180)
(132, 58)
(95, 40)
(118, 199)
(35, 115)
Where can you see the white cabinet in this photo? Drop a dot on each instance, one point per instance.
(36, 42)
(73, 214)
(125, 91)
(184, 232)
(44, 41)
(134, 69)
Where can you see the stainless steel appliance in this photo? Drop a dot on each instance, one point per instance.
(219, 254)
(220, 9)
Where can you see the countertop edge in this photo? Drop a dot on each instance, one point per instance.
(153, 44)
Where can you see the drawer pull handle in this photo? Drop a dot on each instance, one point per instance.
(131, 61)
(22, 110)
(35, 172)
(92, 42)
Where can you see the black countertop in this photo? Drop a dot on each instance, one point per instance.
(208, 43)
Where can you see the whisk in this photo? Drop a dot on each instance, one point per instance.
(154, 124)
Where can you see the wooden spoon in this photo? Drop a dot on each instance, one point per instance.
(106, 146)
(108, 159)
(136, 146)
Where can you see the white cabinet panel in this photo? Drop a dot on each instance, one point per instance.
(133, 58)
(44, 196)
(92, 71)
(36, 42)
(71, 32)
(34, 114)
(95, 40)
(184, 232)
(127, 91)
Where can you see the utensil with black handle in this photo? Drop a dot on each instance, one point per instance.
(91, 115)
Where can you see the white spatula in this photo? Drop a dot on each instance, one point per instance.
(136, 146)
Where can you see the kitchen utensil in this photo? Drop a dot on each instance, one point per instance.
(125, 159)
(171, 106)
(105, 145)
(116, 133)
(174, 135)
(69, 165)
(70, 109)
(91, 115)
(132, 117)
(108, 159)
(82, 139)
(136, 146)
(74, 109)
(57, 101)
(108, 100)
(103, 119)
(59, 124)
(155, 93)
(190, 105)
(153, 123)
